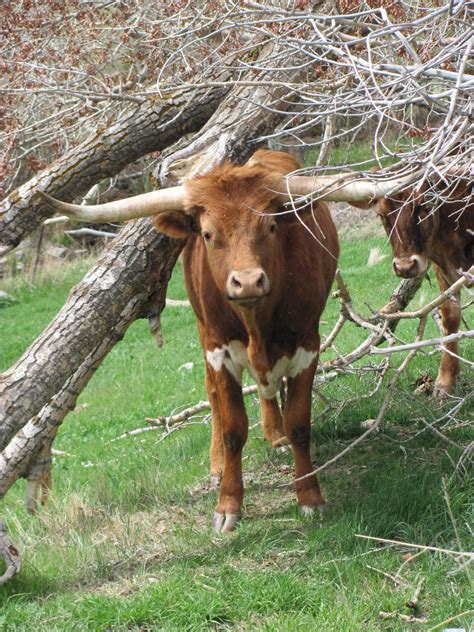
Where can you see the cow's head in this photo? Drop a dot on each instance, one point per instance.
(411, 224)
(235, 212)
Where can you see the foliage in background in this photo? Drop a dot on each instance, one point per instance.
(388, 69)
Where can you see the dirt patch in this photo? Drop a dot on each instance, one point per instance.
(354, 223)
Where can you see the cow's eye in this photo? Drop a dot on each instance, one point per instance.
(273, 227)
(206, 235)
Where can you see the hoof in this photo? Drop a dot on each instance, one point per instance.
(225, 522)
(442, 392)
(215, 481)
(313, 512)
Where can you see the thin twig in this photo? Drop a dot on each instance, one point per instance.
(403, 617)
(408, 560)
(393, 578)
(425, 343)
(192, 410)
(438, 432)
(455, 527)
(436, 549)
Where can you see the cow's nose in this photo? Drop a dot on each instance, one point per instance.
(406, 268)
(244, 285)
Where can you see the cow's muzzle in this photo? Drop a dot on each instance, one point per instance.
(247, 287)
(409, 267)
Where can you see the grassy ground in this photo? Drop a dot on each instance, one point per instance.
(125, 541)
(360, 154)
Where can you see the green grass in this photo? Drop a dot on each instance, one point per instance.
(125, 541)
(359, 154)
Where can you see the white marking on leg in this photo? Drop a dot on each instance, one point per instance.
(301, 361)
(232, 356)
(274, 378)
(289, 367)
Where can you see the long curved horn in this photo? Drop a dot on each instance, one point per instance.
(143, 205)
(339, 189)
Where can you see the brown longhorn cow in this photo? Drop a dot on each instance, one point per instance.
(258, 277)
(258, 281)
(423, 229)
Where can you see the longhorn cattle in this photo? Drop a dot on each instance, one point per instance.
(422, 230)
(258, 279)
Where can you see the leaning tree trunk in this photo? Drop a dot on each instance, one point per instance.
(140, 131)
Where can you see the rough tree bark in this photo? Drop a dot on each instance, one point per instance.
(142, 130)
(10, 554)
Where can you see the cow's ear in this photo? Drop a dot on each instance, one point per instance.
(175, 224)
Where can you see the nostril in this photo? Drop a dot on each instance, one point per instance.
(252, 283)
(236, 284)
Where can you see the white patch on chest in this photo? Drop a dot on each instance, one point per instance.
(235, 359)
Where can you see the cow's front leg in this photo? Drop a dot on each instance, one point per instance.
(272, 422)
(234, 424)
(449, 363)
(217, 446)
(297, 418)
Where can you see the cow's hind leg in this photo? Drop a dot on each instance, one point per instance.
(272, 422)
(234, 424)
(449, 363)
(297, 418)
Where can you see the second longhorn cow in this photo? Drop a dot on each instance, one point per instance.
(433, 224)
